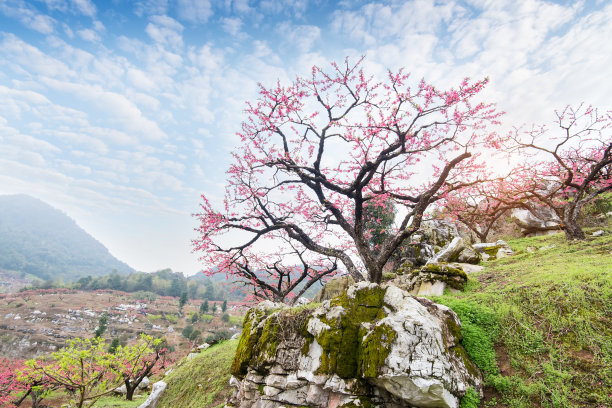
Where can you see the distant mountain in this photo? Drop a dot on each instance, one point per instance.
(40, 240)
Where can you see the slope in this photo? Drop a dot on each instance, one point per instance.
(539, 324)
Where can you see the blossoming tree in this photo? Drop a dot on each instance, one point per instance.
(315, 152)
(10, 386)
(135, 362)
(568, 169)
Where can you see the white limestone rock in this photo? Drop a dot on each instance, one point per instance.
(377, 344)
(157, 392)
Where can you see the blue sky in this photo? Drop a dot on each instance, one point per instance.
(121, 113)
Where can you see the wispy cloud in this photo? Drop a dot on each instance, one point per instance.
(28, 16)
(194, 11)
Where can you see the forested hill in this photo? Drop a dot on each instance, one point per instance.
(40, 240)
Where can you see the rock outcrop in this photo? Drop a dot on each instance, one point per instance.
(334, 287)
(156, 394)
(490, 251)
(371, 346)
(456, 251)
(431, 279)
(438, 241)
(539, 221)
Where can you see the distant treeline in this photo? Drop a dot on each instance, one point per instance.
(163, 283)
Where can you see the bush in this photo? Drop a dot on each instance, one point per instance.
(218, 336)
(187, 331)
(225, 317)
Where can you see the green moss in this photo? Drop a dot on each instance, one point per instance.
(247, 343)
(387, 276)
(268, 339)
(464, 357)
(492, 251)
(375, 350)
(347, 351)
(471, 399)
(452, 276)
(442, 268)
(454, 328)
(361, 402)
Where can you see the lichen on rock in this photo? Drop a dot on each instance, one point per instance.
(372, 346)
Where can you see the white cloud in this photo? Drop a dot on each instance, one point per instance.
(28, 16)
(150, 7)
(194, 11)
(85, 7)
(165, 31)
(295, 7)
(29, 143)
(231, 25)
(118, 108)
(299, 38)
(23, 56)
(88, 34)
(77, 169)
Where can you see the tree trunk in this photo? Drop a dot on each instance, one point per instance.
(35, 399)
(130, 391)
(375, 274)
(573, 231)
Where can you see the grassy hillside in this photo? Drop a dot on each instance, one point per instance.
(202, 382)
(539, 324)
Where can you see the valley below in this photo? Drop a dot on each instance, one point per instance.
(34, 323)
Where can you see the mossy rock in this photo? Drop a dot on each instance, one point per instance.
(334, 287)
(450, 274)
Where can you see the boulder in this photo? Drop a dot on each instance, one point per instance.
(122, 390)
(438, 241)
(490, 251)
(301, 301)
(417, 253)
(144, 384)
(191, 356)
(539, 221)
(156, 393)
(334, 287)
(438, 233)
(469, 256)
(431, 279)
(456, 251)
(371, 346)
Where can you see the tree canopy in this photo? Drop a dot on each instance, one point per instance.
(315, 152)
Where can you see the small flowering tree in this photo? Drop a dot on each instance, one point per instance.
(83, 368)
(481, 207)
(313, 154)
(568, 169)
(11, 389)
(135, 362)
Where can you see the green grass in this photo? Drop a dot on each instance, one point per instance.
(203, 381)
(120, 402)
(539, 323)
